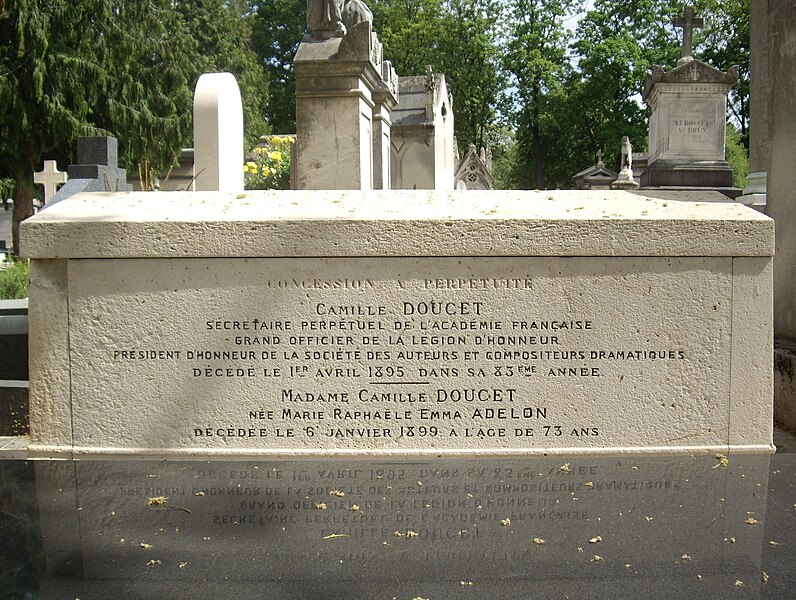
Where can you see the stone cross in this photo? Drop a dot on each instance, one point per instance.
(599, 156)
(688, 22)
(49, 177)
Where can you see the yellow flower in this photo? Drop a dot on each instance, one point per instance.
(245, 168)
(266, 171)
(275, 155)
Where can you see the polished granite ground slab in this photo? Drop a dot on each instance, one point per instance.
(546, 527)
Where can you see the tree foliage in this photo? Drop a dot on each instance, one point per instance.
(277, 29)
(112, 67)
(724, 42)
(537, 60)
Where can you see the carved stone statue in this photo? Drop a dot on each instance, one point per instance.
(625, 179)
(325, 19)
(627, 154)
(355, 12)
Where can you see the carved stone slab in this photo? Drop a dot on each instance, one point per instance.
(523, 340)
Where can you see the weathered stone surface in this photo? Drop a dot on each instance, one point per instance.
(218, 133)
(378, 322)
(397, 223)
(687, 125)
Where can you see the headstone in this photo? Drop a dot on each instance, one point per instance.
(423, 143)
(344, 94)
(687, 131)
(6, 219)
(399, 322)
(624, 180)
(218, 133)
(96, 171)
(50, 177)
(182, 177)
(596, 177)
(475, 170)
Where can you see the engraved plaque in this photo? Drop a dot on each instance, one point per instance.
(400, 354)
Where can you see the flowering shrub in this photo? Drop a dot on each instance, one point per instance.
(268, 167)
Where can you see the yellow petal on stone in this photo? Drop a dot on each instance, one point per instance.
(565, 468)
(538, 541)
(596, 539)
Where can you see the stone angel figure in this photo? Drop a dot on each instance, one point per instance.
(325, 18)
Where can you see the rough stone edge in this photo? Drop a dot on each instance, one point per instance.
(84, 452)
(785, 384)
(48, 346)
(751, 378)
(354, 238)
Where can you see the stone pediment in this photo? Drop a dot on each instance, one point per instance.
(599, 170)
(474, 171)
(693, 71)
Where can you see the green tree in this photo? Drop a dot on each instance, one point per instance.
(537, 60)
(112, 67)
(277, 29)
(222, 33)
(616, 43)
(737, 156)
(723, 42)
(470, 59)
(457, 38)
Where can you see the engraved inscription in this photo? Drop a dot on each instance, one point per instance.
(361, 354)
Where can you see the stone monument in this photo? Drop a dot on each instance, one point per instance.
(345, 91)
(773, 147)
(687, 131)
(50, 178)
(625, 180)
(218, 133)
(398, 322)
(475, 170)
(96, 171)
(424, 155)
(596, 177)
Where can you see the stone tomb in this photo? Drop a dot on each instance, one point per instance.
(379, 322)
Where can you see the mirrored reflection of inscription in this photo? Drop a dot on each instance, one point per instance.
(403, 529)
